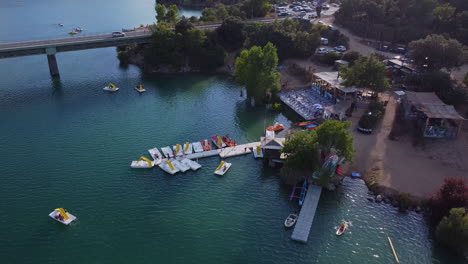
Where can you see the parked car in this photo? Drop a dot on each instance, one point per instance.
(324, 41)
(322, 51)
(118, 34)
(340, 48)
(331, 27)
(321, 22)
(302, 13)
(312, 16)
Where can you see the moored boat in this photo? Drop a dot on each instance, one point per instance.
(63, 216)
(188, 148)
(167, 151)
(111, 88)
(156, 155)
(142, 163)
(229, 141)
(258, 152)
(192, 164)
(178, 150)
(222, 168)
(182, 167)
(291, 220)
(305, 123)
(168, 167)
(218, 141)
(140, 88)
(342, 229)
(197, 147)
(277, 127)
(206, 144)
(303, 193)
(72, 32)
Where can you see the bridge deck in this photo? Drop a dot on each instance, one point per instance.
(306, 216)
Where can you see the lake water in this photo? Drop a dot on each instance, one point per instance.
(66, 143)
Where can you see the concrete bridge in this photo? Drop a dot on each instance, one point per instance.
(52, 46)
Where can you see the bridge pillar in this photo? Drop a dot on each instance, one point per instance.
(53, 67)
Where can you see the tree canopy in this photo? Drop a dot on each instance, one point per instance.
(452, 194)
(437, 52)
(335, 135)
(366, 72)
(167, 15)
(256, 69)
(452, 231)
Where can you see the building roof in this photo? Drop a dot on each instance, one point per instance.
(272, 143)
(334, 80)
(432, 106)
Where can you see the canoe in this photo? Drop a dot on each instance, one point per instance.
(222, 168)
(291, 220)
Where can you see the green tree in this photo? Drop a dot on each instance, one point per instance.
(351, 57)
(452, 231)
(231, 34)
(167, 15)
(160, 13)
(183, 25)
(465, 79)
(256, 8)
(334, 136)
(437, 52)
(444, 13)
(367, 72)
(329, 58)
(303, 156)
(256, 69)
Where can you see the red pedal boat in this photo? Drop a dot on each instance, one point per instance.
(277, 127)
(206, 145)
(229, 141)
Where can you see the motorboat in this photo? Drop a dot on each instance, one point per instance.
(140, 88)
(156, 155)
(178, 150)
(291, 220)
(142, 163)
(60, 25)
(192, 164)
(342, 228)
(111, 88)
(167, 151)
(229, 141)
(222, 168)
(197, 147)
(72, 32)
(168, 167)
(188, 148)
(206, 144)
(182, 167)
(218, 141)
(277, 127)
(258, 152)
(63, 216)
(78, 29)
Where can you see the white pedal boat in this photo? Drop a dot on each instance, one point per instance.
(218, 142)
(222, 168)
(156, 155)
(188, 148)
(291, 220)
(258, 152)
(140, 89)
(167, 152)
(197, 147)
(192, 164)
(182, 167)
(61, 215)
(111, 88)
(178, 150)
(168, 167)
(142, 163)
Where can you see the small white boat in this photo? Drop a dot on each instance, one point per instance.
(60, 25)
(291, 220)
(182, 167)
(111, 88)
(192, 164)
(188, 148)
(218, 141)
(342, 228)
(222, 168)
(140, 89)
(197, 147)
(167, 151)
(61, 215)
(142, 163)
(178, 150)
(156, 155)
(258, 152)
(168, 167)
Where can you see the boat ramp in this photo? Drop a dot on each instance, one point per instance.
(306, 216)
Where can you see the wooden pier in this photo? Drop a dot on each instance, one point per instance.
(225, 152)
(306, 216)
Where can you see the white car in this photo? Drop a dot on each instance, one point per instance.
(340, 48)
(118, 34)
(321, 22)
(322, 51)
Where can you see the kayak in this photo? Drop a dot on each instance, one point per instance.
(305, 123)
(291, 220)
(342, 229)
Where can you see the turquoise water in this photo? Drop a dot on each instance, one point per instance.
(66, 143)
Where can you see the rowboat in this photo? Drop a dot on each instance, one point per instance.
(277, 127)
(142, 163)
(222, 168)
(218, 141)
(63, 216)
(206, 144)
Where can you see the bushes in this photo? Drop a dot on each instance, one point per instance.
(375, 111)
(329, 58)
(351, 56)
(452, 194)
(452, 231)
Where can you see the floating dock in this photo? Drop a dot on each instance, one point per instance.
(306, 216)
(238, 150)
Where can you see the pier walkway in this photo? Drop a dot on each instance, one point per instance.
(225, 152)
(306, 216)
